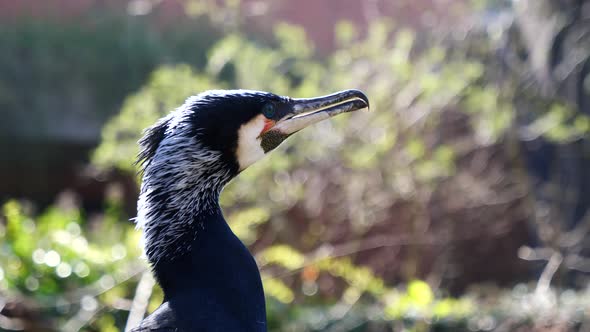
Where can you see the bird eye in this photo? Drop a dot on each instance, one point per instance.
(269, 111)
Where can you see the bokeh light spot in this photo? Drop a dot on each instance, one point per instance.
(63, 270)
(52, 258)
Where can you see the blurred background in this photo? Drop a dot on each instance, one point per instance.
(459, 203)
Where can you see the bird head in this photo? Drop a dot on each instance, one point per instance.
(242, 126)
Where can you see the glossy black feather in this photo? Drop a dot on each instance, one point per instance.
(215, 288)
(161, 320)
(148, 144)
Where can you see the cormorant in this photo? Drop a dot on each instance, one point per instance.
(209, 278)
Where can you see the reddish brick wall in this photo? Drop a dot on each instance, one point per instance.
(317, 17)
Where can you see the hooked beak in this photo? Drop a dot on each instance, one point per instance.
(307, 111)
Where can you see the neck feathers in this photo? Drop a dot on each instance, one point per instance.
(181, 183)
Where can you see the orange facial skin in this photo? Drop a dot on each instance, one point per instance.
(268, 123)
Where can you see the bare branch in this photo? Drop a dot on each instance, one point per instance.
(545, 280)
(140, 301)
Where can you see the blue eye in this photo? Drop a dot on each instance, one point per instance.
(269, 111)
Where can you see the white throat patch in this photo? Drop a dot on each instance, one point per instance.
(249, 150)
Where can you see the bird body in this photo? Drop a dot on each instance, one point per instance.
(210, 280)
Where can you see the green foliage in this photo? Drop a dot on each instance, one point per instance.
(244, 223)
(419, 300)
(65, 266)
(559, 124)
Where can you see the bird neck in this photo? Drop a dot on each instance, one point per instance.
(179, 195)
(205, 271)
(216, 257)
